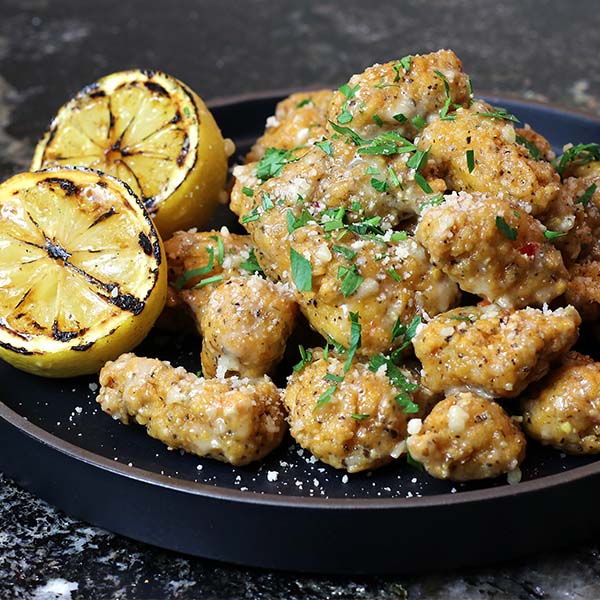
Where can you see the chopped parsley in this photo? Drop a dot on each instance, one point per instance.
(332, 377)
(394, 275)
(533, 150)
(418, 159)
(587, 195)
(348, 133)
(394, 178)
(326, 396)
(386, 144)
(380, 185)
(500, 113)
(377, 120)
(267, 203)
(304, 102)
(253, 215)
(248, 192)
(305, 357)
(470, 160)
(400, 117)
(220, 249)
(355, 340)
(576, 156)
(403, 63)
(301, 271)
(301, 221)
(399, 236)
(251, 264)
(272, 163)
(418, 121)
(351, 280)
(407, 332)
(423, 183)
(345, 116)
(505, 229)
(360, 416)
(325, 146)
(346, 252)
(448, 102)
(208, 281)
(552, 235)
(193, 273)
(398, 380)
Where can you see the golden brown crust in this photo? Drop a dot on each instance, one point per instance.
(464, 239)
(564, 410)
(467, 437)
(373, 437)
(495, 352)
(299, 120)
(233, 420)
(502, 167)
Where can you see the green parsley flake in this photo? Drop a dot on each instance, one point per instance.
(386, 144)
(273, 161)
(253, 215)
(399, 236)
(220, 249)
(419, 122)
(325, 146)
(305, 357)
(533, 150)
(576, 156)
(587, 195)
(301, 271)
(400, 117)
(379, 184)
(345, 252)
(360, 416)
(301, 221)
(394, 178)
(332, 377)
(351, 281)
(348, 133)
(208, 281)
(325, 397)
(407, 332)
(398, 380)
(355, 340)
(267, 203)
(418, 159)
(505, 229)
(248, 192)
(423, 183)
(470, 160)
(344, 117)
(304, 102)
(552, 235)
(403, 63)
(394, 274)
(377, 120)
(500, 113)
(251, 264)
(193, 273)
(372, 170)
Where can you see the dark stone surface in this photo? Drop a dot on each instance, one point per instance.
(542, 50)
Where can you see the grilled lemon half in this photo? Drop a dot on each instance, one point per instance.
(82, 270)
(151, 131)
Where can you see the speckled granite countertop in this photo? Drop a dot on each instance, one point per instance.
(542, 50)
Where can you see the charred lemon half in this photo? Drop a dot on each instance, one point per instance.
(151, 131)
(82, 271)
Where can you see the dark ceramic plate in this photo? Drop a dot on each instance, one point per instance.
(288, 512)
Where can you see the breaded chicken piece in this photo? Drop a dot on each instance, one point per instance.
(467, 437)
(395, 278)
(575, 213)
(491, 351)
(299, 120)
(501, 166)
(470, 237)
(397, 92)
(188, 251)
(564, 410)
(232, 420)
(350, 421)
(245, 325)
(590, 169)
(583, 291)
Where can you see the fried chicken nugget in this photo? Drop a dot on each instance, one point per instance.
(245, 327)
(400, 93)
(232, 420)
(299, 120)
(494, 352)
(564, 410)
(470, 237)
(350, 421)
(501, 167)
(467, 437)
(244, 321)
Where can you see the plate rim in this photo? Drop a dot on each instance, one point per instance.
(93, 459)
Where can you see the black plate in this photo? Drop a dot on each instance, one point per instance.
(288, 512)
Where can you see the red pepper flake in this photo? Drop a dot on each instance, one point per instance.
(529, 249)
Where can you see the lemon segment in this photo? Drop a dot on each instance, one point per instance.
(152, 132)
(82, 274)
